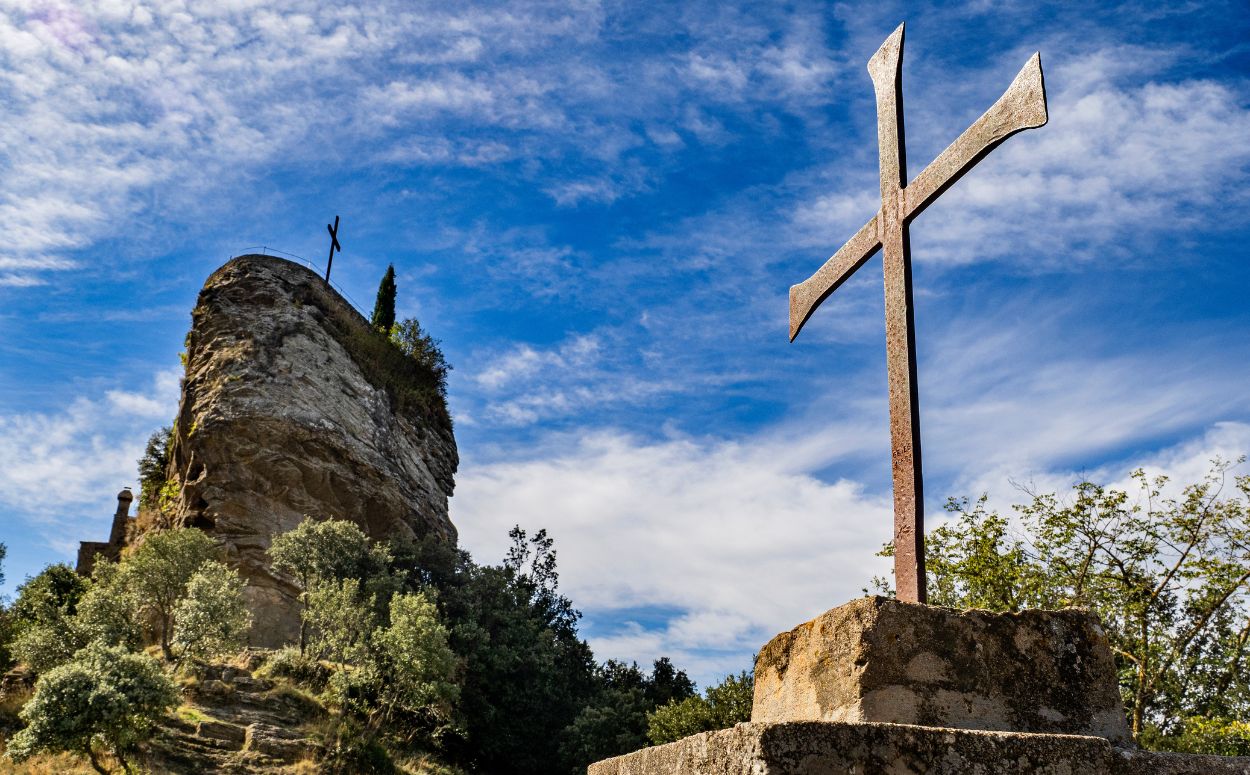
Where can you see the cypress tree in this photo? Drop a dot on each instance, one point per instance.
(384, 307)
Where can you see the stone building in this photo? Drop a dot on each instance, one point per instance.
(111, 549)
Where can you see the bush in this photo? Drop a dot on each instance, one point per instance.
(301, 669)
(104, 698)
(212, 618)
(722, 706)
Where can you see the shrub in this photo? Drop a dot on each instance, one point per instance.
(722, 706)
(212, 618)
(299, 668)
(104, 698)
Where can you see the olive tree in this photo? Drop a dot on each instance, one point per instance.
(158, 572)
(105, 699)
(212, 617)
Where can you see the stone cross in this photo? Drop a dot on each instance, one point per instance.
(334, 245)
(1022, 106)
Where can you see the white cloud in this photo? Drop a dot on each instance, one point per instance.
(736, 536)
(62, 469)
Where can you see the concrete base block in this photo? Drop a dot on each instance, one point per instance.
(881, 660)
(832, 748)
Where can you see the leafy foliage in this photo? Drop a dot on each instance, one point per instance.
(105, 698)
(532, 699)
(212, 617)
(158, 572)
(414, 664)
(152, 468)
(340, 620)
(41, 618)
(49, 596)
(321, 552)
(1169, 577)
(722, 706)
(423, 350)
(615, 720)
(384, 306)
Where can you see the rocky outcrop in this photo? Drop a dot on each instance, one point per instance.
(289, 408)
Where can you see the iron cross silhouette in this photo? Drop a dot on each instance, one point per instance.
(334, 245)
(1022, 106)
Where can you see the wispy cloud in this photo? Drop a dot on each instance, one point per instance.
(63, 468)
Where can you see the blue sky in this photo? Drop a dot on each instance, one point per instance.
(599, 208)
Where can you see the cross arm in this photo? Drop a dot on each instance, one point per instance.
(1022, 106)
(807, 295)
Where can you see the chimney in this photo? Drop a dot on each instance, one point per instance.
(117, 536)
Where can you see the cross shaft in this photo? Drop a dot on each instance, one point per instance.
(1022, 106)
(334, 245)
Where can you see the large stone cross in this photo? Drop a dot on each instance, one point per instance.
(1022, 106)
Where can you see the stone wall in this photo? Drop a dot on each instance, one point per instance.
(831, 748)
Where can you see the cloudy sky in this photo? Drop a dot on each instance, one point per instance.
(599, 208)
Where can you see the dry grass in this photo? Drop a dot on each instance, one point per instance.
(50, 764)
(426, 765)
(303, 767)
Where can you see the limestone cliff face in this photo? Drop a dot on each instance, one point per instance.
(284, 415)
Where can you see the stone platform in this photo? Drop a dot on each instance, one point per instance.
(866, 748)
(881, 687)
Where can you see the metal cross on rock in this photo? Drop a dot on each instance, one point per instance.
(334, 245)
(1022, 106)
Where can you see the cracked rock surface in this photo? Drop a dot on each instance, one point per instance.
(281, 417)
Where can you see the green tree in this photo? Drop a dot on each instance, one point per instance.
(158, 571)
(723, 705)
(1168, 575)
(212, 617)
(614, 722)
(109, 611)
(318, 551)
(423, 349)
(42, 616)
(414, 663)
(48, 596)
(153, 466)
(105, 699)
(340, 618)
(527, 674)
(384, 307)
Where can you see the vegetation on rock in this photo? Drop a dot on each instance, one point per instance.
(152, 468)
(1168, 576)
(384, 306)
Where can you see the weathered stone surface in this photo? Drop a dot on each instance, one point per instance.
(833, 748)
(279, 419)
(882, 660)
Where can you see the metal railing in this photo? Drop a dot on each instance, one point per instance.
(313, 265)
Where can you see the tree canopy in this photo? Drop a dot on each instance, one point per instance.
(105, 699)
(1168, 574)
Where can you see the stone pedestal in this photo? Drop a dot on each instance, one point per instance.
(877, 659)
(833, 748)
(879, 686)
